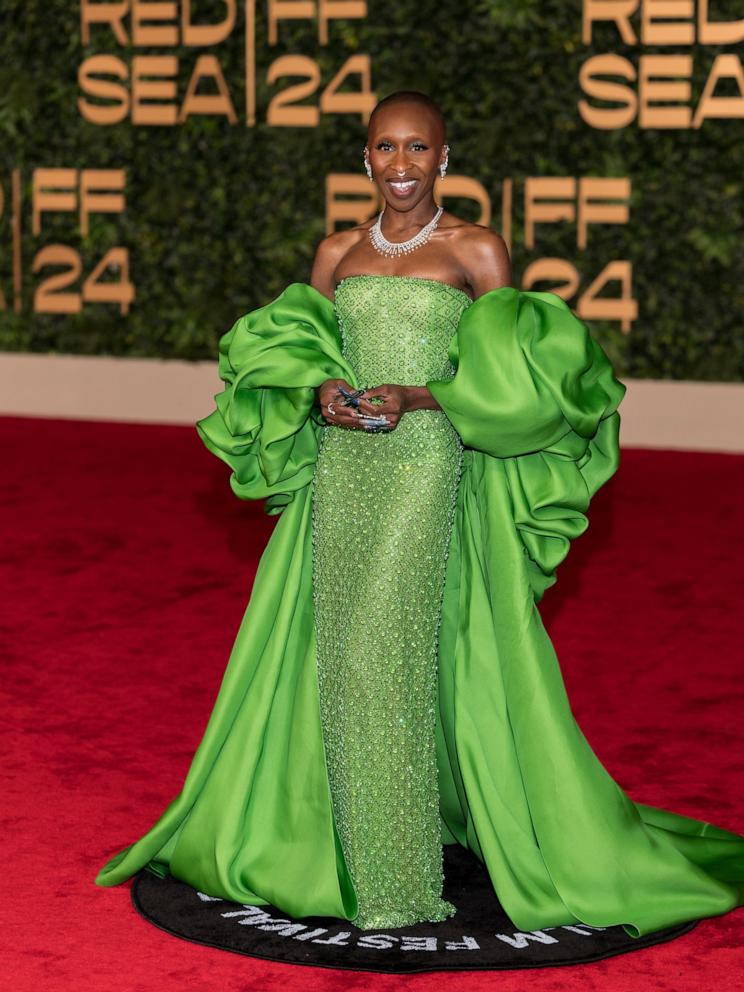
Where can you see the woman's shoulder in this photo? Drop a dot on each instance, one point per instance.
(472, 237)
(335, 245)
(328, 255)
(480, 251)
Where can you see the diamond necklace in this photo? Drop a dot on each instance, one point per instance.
(385, 247)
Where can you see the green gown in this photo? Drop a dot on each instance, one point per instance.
(392, 687)
(382, 519)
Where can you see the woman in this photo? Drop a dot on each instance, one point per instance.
(431, 438)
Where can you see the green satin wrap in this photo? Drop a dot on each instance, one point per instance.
(534, 400)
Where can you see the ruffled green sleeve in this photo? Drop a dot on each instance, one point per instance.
(533, 388)
(265, 425)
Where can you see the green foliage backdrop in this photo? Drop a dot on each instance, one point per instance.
(220, 218)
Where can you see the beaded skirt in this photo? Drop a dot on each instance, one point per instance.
(383, 507)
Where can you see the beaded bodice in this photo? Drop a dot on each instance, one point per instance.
(398, 328)
(383, 509)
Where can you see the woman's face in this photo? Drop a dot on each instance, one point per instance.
(405, 143)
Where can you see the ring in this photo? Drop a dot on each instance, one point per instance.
(331, 410)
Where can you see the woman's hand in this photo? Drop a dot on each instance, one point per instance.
(389, 400)
(329, 394)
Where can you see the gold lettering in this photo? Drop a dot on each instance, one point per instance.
(607, 118)
(52, 191)
(206, 34)
(593, 205)
(724, 67)
(162, 88)
(207, 67)
(651, 90)
(331, 10)
(287, 10)
(542, 201)
(550, 270)
(119, 291)
(48, 298)
(363, 102)
(100, 192)
(617, 11)
(625, 309)
(282, 111)
(90, 83)
(466, 188)
(103, 13)
(718, 32)
(366, 199)
(663, 22)
(144, 17)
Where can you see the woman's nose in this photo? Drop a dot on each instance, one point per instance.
(401, 162)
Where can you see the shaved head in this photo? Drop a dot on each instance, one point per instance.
(419, 100)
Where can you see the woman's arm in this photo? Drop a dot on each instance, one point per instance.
(484, 258)
(418, 398)
(328, 254)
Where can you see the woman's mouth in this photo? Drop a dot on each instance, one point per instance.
(402, 187)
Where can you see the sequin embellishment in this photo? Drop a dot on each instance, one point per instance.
(383, 508)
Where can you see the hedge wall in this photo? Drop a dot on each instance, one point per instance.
(221, 217)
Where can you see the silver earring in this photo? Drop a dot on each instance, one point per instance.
(368, 167)
(443, 165)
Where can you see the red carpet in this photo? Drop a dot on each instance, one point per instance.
(127, 565)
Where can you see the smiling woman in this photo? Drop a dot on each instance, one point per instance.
(406, 185)
(432, 438)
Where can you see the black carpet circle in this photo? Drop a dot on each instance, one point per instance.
(479, 936)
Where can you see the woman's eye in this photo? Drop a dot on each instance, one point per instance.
(384, 146)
